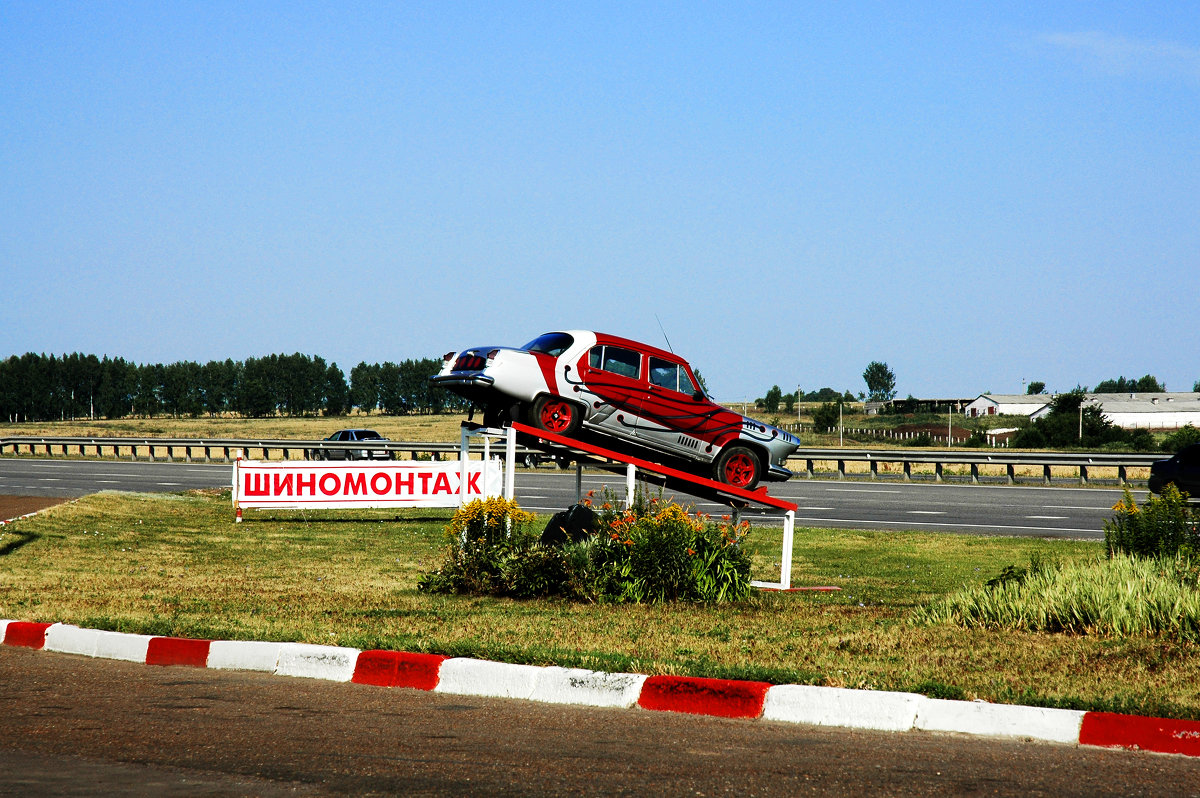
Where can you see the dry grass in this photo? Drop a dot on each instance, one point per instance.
(444, 427)
(178, 565)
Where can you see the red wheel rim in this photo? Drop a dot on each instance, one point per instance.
(556, 416)
(739, 470)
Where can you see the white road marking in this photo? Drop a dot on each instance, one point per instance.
(925, 512)
(1047, 517)
(951, 526)
(861, 490)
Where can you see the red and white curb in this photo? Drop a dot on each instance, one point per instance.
(819, 706)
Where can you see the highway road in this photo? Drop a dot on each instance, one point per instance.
(1048, 512)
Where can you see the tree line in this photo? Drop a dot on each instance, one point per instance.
(37, 387)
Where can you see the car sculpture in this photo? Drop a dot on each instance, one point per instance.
(1182, 471)
(638, 398)
(350, 436)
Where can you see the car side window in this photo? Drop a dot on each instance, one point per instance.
(624, 362)
(666, 374)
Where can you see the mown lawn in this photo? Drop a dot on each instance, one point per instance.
(178, 565)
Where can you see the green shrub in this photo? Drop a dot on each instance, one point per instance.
(651, 552)
(1120, 596)
(1184, 436)
(1163, 526)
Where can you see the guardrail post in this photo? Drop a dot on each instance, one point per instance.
(874, 469)
(974, 473)
(1012, 474)
(841, 469)
(1046, 474)
(808, 468)
(1083, 475)
(937, 472)
(907, 471)
(1122, 476)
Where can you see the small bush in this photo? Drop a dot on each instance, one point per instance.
(1164, 525)
(1184, 436)
(1120, 596)
(648, 553)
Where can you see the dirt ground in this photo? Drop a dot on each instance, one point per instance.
(15, 506)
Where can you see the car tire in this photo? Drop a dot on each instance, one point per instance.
(557, 415)
(739, 467)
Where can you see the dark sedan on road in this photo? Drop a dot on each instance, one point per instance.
(1182, 471)
(352, 436)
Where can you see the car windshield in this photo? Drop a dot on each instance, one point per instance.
(553, 344)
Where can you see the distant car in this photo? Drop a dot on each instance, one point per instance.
(1182, 470)
(638, 398)
(350, 436)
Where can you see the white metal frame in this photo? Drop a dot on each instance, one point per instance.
(508, 467)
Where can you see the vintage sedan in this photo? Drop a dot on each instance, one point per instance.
(636, 398)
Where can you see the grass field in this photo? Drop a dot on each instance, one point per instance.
(178, 565)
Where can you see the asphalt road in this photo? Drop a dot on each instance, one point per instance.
(1049, 512)
(71, 725)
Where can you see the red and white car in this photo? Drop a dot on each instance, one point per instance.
(578, 383)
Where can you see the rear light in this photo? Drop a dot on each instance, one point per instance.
(469, 363)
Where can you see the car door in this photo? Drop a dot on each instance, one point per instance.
(675, 415)
(1188, 479)
(612, 386)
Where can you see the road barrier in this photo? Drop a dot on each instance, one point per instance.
(1082, 463)
(833, 460)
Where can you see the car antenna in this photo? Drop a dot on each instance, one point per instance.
(664, 332)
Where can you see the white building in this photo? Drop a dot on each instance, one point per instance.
(1006, 404)
(1144, 410)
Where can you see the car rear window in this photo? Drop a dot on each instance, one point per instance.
(553, 344)
(368, 435)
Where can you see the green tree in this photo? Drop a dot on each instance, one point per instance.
(881, 382)
(1146, 384)
(825, 417)
(1036, 387)
(772, 399)
(364, 387)
(337, 393)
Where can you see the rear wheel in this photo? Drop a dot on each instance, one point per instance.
(556, 415)
(740, 467)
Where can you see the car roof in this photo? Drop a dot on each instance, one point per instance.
(629, 343)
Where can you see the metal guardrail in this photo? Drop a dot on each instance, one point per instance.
(1083, 462)
(228, 449)
(214, 449)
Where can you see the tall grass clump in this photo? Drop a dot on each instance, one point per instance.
(648, 553)
(1121, 596)
(1163, 526)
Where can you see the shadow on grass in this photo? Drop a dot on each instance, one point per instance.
(19, 539)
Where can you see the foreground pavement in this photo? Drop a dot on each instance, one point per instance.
(747, 700)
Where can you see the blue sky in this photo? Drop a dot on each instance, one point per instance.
(976, 194)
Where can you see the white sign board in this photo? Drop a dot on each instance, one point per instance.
(287, 485)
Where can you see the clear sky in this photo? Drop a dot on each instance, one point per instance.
(975, 193)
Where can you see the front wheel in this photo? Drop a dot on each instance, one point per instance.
(738, 466)
(556, 415)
